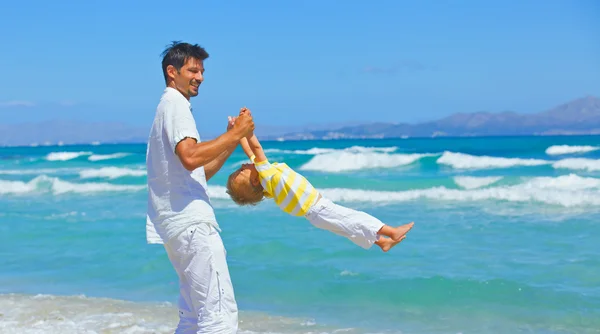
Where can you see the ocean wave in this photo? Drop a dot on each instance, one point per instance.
(38, 171)
(566, 191)
(99, 157)
(567, 149)
(467, 161)
(218, 192)
(111, 172)
(64, 156)
(46, 184)
(318, 150)
(49, 314)
(472, 182)
(348, 161)
(590, 165)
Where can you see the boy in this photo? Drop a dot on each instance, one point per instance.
(296, 196)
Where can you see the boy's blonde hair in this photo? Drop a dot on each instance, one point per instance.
(244, 193)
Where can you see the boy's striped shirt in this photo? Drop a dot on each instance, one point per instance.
(290, 190)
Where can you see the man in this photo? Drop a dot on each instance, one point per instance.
(180, 214)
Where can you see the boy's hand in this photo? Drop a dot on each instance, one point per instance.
(230, 122)
(244, 109)
(243, 124)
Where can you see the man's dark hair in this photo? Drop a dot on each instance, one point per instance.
(178, 53)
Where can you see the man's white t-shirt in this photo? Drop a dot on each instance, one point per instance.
(177, 198)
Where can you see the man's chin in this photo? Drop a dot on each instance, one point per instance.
(193, 93)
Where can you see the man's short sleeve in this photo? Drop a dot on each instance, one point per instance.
(179, 123)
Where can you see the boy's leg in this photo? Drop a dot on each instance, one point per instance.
(395, 232)
(206, 302)
(359, 227)
(387, 243)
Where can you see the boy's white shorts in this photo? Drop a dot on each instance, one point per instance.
(358, 226)
(206, 299)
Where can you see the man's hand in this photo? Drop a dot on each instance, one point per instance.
(243, 124)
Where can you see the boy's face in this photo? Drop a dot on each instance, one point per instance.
(248, 174)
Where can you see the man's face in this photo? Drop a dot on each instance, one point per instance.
(188, 79)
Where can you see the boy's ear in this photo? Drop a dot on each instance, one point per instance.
(254, 181)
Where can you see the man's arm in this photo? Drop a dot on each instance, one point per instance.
(194, 155)
(211, 168)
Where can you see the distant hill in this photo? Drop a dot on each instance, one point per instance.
(70, 132)
(581, 116)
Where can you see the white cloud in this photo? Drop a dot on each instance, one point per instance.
(16, 103)
(67, 103)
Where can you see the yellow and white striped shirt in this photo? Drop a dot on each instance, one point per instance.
(290, 190)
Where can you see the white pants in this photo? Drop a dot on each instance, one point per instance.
(206, 299)
(358, 226)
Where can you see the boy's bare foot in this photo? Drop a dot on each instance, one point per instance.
(387, 243)
(400, 231)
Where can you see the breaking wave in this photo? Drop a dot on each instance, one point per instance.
(318, 150)
(111, 172)
(473, 182)
(566, 149)
(347, 161)
(64, 156)
(49, 314)
(467, 161)
(566, 191)
(54, 185)
(99, 157)
(590, 165)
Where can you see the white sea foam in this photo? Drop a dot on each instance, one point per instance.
(99, 157)
(347, 161)
(312, 151)
(47, 314)
(39, 171)
(64, 156)
(590, 165)
(318, 150)
(467, 161)
(566, 191)
(218, 192)
(46, 184)
(566, 149)
(111, 172)
(472, 182)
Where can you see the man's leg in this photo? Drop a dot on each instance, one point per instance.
(180, 253)
(227, 308)
(206, 302)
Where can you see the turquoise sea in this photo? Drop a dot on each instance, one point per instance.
(506, 240)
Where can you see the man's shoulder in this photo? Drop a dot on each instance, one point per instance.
(172, 98)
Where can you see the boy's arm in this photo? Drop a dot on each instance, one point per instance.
(256, 148)
(246, 147)
(252, 146)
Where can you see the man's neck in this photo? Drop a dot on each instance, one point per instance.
(172, 85)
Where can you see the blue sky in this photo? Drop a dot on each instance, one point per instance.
(299, 62)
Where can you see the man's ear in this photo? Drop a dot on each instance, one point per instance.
(171, 71)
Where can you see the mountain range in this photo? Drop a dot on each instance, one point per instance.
(577, 117)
